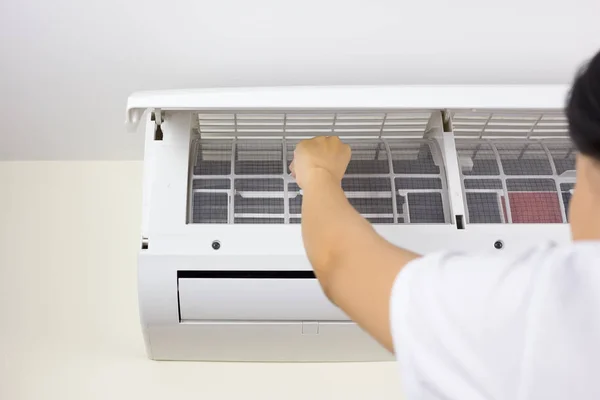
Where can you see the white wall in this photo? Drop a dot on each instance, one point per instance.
(68, 307)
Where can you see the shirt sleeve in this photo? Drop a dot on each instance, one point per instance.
(458, 323)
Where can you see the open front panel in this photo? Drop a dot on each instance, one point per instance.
(247, 180)
(516, 181)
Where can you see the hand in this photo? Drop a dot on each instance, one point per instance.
(321, 154)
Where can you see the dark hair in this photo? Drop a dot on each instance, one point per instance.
(583, 109)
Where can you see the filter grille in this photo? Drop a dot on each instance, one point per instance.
(517, 166)
(248, 181)
(525, 181)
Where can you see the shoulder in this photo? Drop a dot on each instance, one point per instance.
(450, 310)
(461, 289)
(465, 289)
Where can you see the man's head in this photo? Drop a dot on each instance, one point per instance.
(583, 113)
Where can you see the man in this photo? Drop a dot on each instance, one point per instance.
(465, 326)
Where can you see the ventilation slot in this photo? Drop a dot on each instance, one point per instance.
(525, 124)
(308, 124)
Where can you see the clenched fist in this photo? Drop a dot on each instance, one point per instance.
(321, 154)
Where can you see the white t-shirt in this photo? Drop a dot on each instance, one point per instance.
(522, 326)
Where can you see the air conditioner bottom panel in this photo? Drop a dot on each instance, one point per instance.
(231, 319)
(298, 341)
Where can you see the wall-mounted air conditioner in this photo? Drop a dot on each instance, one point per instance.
(222, 270)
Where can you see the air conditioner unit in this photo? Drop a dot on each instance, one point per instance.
(222, 270)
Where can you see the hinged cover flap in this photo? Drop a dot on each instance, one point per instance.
(351, 98)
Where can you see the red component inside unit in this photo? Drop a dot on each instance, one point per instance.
(533, 207)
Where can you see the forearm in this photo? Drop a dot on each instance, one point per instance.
(331, 227)
(355, 266)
